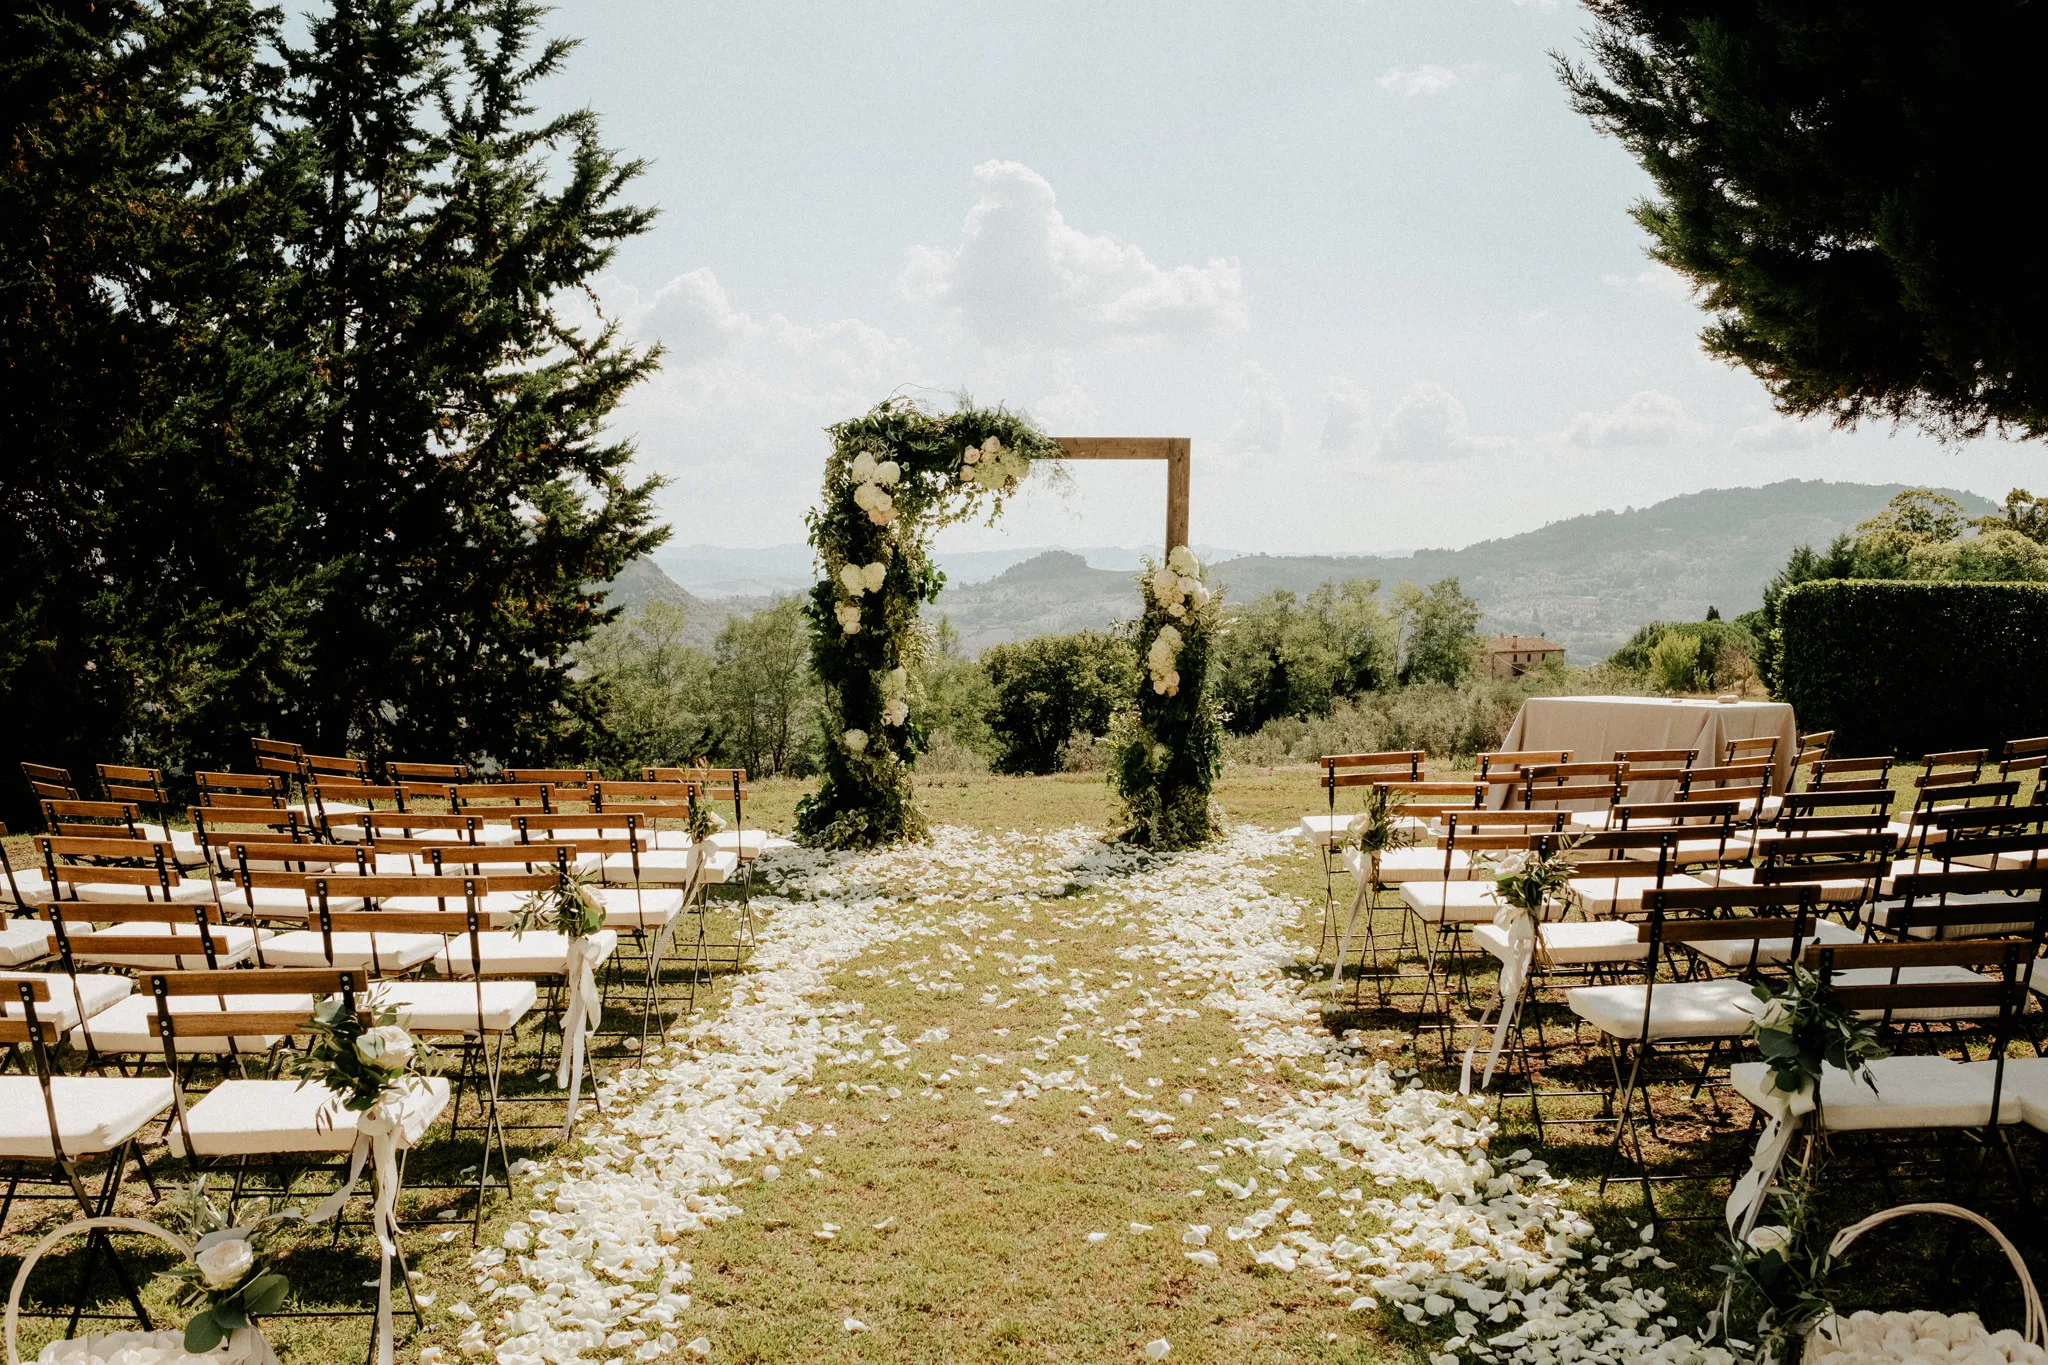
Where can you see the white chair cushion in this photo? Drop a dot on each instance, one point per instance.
(1326, 831)
(94, 1113)
(1836, 890)
(1912, 1092)
(232, 943)
(97, 990)
(749, 844)
(125, 1026)
(1459, 902)
(670, 867)
(244, 1118)
(1878, 976)
(537, 952)
(23, 942)
(648, 908)
(1572, 943)
(1738, 952)
(33, 888)
(1624, 895)
(1418, 864)
(1888, 916)
(453, 1006)
(2026, 1079)
(1678, 1009)
(356, 950)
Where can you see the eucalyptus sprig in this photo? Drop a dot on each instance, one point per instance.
(1781, 1271)
(225, 1280)
(1380, 827)
(1529, 880)
(359, 1061)
(704, 821)
(571, 906)
(1803, 1027)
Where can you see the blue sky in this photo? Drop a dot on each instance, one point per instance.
(1361, 253)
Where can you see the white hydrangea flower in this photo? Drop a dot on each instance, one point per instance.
(852, 579)
(863, 469)
(1182, 560)
(872, 576)
(856, 741)
(887, 473)
(895, 712)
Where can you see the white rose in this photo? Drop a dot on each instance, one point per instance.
(1173, 681)
(864, 495)
(992, 446)
(888, 472)
(896, 712)
(1159, 686)
(1772, 1016)
(970, 455)
(863, 467)
(223, 1264)
(1176, 610)
(883, 515)
(1769, 1238)
(872, 575)
(849, 617)
(856, 740)
(1200, 594)
(386, 1047)
(853, 579)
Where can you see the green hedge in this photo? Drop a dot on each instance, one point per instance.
(1915, 668)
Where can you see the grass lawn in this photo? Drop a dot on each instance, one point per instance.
(994, 1106)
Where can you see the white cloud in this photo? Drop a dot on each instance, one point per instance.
(1343, 417)
(1777, 434)
(1428, 79)
(1648, 418)
(1266, 420)
(1655, 280)
(1022, 274)
(1429, 426)
(1067, 409)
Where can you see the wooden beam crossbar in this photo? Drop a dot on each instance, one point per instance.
(1172, 449)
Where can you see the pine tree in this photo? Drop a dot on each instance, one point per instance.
(466, 495)
(1846, 186)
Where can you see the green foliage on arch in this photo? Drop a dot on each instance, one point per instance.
(895, 476)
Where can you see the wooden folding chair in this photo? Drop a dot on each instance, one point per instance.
(1501, 769)
(48, 783)
(1424, 804)
(94, 819)
(1745, 783)
(124, 868)
(1652, 774)
(1751, 749)
(52, 1127)
(1580, 789)
(1327, 830)
(259, 790)
(143, 787)
(1838, 774)
(1813, 747)
(1952, 768)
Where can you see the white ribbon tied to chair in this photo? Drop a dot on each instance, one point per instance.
(1785, 1113)
(1522, 932)
(581, 1014)
(377, 1135)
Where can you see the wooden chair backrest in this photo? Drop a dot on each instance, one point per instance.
(1507, 764)
(101, 819)
(50, 783)
(1752, 749)
(143, 786)
(437, 774)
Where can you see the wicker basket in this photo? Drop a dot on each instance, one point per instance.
(1826, 1344)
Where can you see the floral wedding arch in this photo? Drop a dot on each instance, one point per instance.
(896, 475)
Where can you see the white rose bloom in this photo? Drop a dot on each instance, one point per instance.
(856, 740)
(1173, 681)
(970, 455)
(387, 1047)
(1165, 584)
(852, 579)
(883, 515)
(888, 472)
(1200, 595)
(1176, 610)
(896, 712)
(223, 1264)
(863, 467)
(873, 574)
(1159, 686)
(1772, 1237)
(849, 617)
(864, 495)
(992, 446)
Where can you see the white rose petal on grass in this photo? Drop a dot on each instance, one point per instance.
(431, 1355)
(1157, 1348)
(854, 1325)
(1098, 1237)
(1207, 1258)
(1137, 1228)
(771, 1173)
(699, 1346)
(1197, 1235)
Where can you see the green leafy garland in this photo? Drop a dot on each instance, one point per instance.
(895, 476)
(570, 907)
(1169, 744)
(1804, 1027)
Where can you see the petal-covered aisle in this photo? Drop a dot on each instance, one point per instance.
(1032, 1096)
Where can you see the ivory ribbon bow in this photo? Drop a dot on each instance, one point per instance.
(1521, 930)
(377, 1134)
(1786, 1113)
(581, 1014)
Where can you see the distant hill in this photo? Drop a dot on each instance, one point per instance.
(716, 571)
(1586, 582)
(642, 581)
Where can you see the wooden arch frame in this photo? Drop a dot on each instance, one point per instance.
(1175, 450)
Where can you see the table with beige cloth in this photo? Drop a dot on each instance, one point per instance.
(1595, 728)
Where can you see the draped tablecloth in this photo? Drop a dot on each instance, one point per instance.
(1594, 728)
